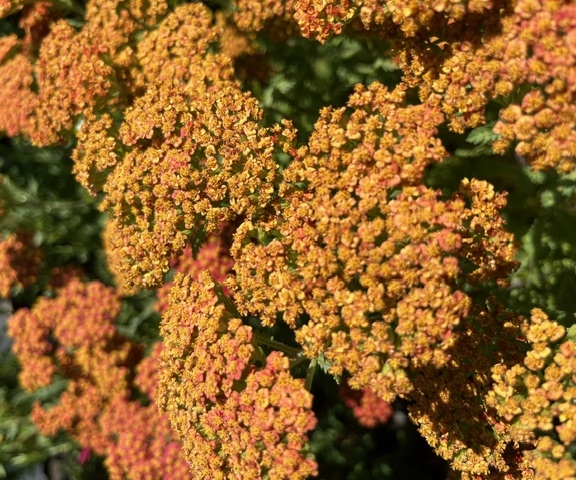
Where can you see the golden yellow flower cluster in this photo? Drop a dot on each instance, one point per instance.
(361, 259)
(322, 19)
(536, 398)
(190, 164)
(235, 419)
(180, 49)
(276, 17)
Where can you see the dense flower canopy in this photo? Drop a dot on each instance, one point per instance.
(235, 420)
(278, 290)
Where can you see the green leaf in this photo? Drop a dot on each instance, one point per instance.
(483, 135)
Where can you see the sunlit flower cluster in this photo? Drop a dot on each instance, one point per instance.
(337, 241)
(180, 49)
(525, 62)
(542, 122)
(322, 19)
(72, 80)
(363, 261)
(238, 411)
(536, 398)
(275, 17)
(189, 166)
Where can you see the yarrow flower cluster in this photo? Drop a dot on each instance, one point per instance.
(20, 262)
(322, 19)
(213, 256)
(365, 253)
(73, 337)
(235, 419)
(536, 398)
(368, 408)
(448, 406)
(190, 164)
(273, 253)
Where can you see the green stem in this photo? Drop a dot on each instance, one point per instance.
(310, 375)
(263, 340)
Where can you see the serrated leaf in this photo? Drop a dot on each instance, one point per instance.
(483, 135)
(324, 363)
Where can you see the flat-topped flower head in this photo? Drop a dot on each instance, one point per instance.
(191, 165)
(362, 260)
(412, 18)
(235, 419)
(181, 49)
(536, 397)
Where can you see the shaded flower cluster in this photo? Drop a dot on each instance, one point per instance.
(536, 398)
(235, 419)
(73, 338)
(20, 262)
(448, 404)
(368, 408)
(363, 261)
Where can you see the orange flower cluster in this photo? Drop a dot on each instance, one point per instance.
(16, 78)
(20, 262)
(252, 16)
(325, 18)
(530, 44)
(526, 43)
(180, 50)
(73, 337)
(73, 79)
(368, 408)
(448, 404)
(536, 398)
(543, 121)
(235, 420)
(7, 7)
(190, 165)
(363, 261)
(213, 256)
